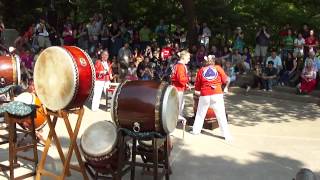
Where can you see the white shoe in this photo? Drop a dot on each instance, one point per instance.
(192, 132)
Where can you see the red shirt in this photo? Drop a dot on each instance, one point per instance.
(100, 68)
(166, 53)
(179, 77)
(209, 80)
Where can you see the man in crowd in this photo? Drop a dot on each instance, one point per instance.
(269, 77)
(43, 34)
(277, 63)
(124, 58)
(262, 42)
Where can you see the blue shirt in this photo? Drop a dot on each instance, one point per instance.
(276, 61)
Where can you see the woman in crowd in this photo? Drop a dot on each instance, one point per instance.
(308, 78)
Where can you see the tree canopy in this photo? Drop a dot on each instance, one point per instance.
(222, 16)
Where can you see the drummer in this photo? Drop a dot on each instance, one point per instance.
(103, 79)
(209, 81)
(180, 80)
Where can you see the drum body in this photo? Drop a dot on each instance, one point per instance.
(210, 113)
(145, 106)
(64, 77)
(9, 71)
(99, 147)
(40, 119)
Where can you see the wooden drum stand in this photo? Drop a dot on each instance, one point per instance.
(73, 144)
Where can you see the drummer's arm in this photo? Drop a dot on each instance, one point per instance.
(181, 76)
(225, 79)
(197, 84)
(99, 68)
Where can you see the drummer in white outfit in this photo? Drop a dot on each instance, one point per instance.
(103, 77)
(180, 80)
(208, 81)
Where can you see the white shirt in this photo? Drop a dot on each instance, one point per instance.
(299, 42)
(44, 31)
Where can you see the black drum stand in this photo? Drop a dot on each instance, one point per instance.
(154, 153)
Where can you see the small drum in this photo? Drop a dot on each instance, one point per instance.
(146, 148)
(99, 146)
(145, 106)
(40, 119)
(9, 71)
(64, 77)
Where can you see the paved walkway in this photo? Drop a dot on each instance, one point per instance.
(273, 139)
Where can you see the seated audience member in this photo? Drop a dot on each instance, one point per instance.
(132, 72)
(277, 63)
(269, 76)
(308, 78)
(290, 71)
(236, 57)
(143, 71)
(257, 76)
(230, 71)
(247, 56)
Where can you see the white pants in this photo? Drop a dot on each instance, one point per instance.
(98, 88)
(181, 106)
(216, 102)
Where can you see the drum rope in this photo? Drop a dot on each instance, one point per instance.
(141, 135)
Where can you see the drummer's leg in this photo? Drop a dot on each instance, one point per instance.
(217, 104)
(203, 105)
(181, 105)
(98, 88)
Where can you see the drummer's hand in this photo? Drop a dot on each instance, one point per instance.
(197, 93)
(225, 90)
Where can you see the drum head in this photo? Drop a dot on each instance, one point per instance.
(18, 71)
(170, 109)
(26, 98)
(99, 139)
(55, 78)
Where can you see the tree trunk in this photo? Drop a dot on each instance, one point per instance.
(188, 6)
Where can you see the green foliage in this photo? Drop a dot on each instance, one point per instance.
(222, 16)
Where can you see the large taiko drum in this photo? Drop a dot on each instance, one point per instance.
(9, 71)
(99, 146)
(145, 106)
(30, 98)
(64, 77)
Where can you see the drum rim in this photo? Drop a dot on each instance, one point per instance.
(93, 72)
(16, 70)
(158, 106)
(98, 156)
(75, 77)
(114, 104)
(165, 108)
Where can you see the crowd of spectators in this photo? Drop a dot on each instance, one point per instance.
(138, 51)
